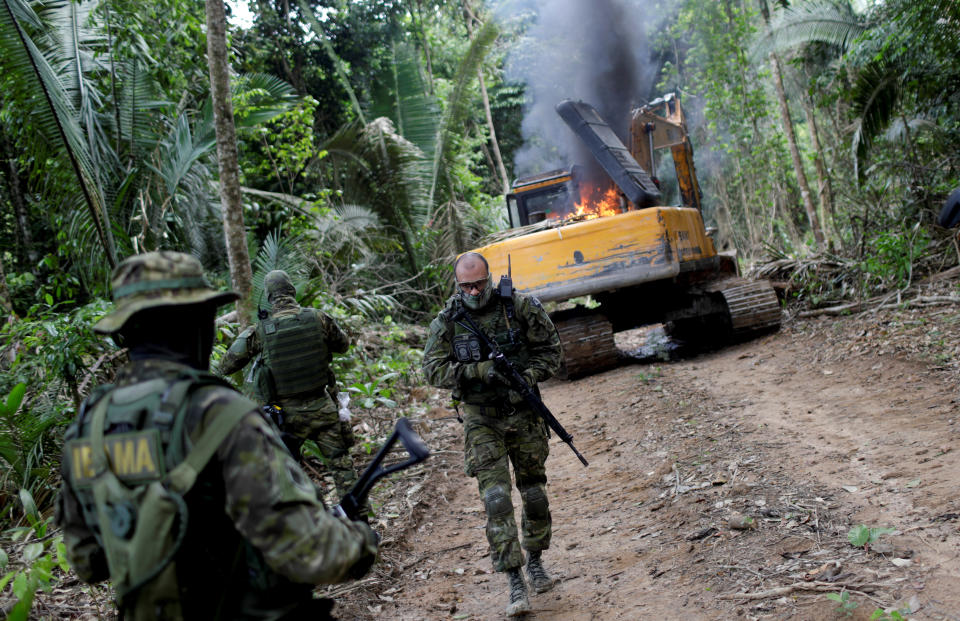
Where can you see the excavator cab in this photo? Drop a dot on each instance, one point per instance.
(541, 197)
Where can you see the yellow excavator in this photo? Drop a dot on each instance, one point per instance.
(575, 233)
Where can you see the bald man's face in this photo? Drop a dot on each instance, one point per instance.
(471, 276)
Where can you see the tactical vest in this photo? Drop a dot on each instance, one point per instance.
(467, 348)
(295, 356)
(130, 470)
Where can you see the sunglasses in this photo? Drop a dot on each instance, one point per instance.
(479, 285)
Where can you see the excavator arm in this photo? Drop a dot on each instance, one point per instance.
(659, 125)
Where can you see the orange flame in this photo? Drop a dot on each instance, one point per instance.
(597, 202)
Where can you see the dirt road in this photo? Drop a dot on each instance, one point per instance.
(720, 486)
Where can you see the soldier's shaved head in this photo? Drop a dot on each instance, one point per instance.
(470, 263)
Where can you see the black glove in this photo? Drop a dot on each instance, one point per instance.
(369, 557)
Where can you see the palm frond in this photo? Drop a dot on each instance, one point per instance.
(458, 107)
(277, 253)
(460, 228)
(416, 115)
(825, 21)
(138, 99)
(372, 306)
(898, 129)
(266, 96)
(52, 111)
(875, 96)
(72, 40)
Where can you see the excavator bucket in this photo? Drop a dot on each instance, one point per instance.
(610, 152)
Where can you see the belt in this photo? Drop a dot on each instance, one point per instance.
(495, 411)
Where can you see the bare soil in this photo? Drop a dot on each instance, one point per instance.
(720, 486)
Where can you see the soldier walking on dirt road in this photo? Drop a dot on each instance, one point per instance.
(498, 426)
(296, 346)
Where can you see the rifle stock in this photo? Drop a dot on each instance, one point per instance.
(517, 383)
(352, 501)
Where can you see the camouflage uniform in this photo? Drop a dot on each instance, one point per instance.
(498, 426)
(308, 416)
(251, 536)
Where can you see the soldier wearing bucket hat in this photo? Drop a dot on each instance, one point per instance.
(292, 348)
(174, 485)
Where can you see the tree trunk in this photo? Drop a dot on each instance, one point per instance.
(5, 303)
(227, 156)
(792, 139)
(501, 169)
(824, 185)
(27, 253)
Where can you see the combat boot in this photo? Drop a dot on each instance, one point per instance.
(519, 604)
(539, 578)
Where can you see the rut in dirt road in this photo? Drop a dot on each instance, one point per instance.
(720, 486)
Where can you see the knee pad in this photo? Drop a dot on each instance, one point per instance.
(535, 503)
(496, 501)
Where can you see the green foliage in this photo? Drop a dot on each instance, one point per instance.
(374, 379)
(49, 360)
(892, 255)
(847, 605)
(39, 565)
(882, 615)
(862, 535)
(374, 392)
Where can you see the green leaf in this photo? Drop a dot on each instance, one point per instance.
(32, 551)
(29, 506)
(21, 611)
(859, 536)
(6, 580)
(4, 559)
(15, 398)
(20, 585)
(876, 533)
(62, 555)
(835, 597)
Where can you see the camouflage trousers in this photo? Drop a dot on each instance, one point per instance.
(317, 420)
(490, 442)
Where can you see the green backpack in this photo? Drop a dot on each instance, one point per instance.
(138, 505)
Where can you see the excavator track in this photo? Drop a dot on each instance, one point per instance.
(588, 345)
(752, 304)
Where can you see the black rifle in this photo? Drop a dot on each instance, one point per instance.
(517, 383)
(351, 502)
(275, 413)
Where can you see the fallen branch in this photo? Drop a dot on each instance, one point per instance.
(831, 310)
(106, 357)
(879, 303)
(798, 586)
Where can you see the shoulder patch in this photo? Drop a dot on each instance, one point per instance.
(134, 457)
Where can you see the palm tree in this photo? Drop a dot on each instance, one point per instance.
(882, 75)
(142, 163)
(798, 170)
(36, 85)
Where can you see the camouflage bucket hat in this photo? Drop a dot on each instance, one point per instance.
(157, 279)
